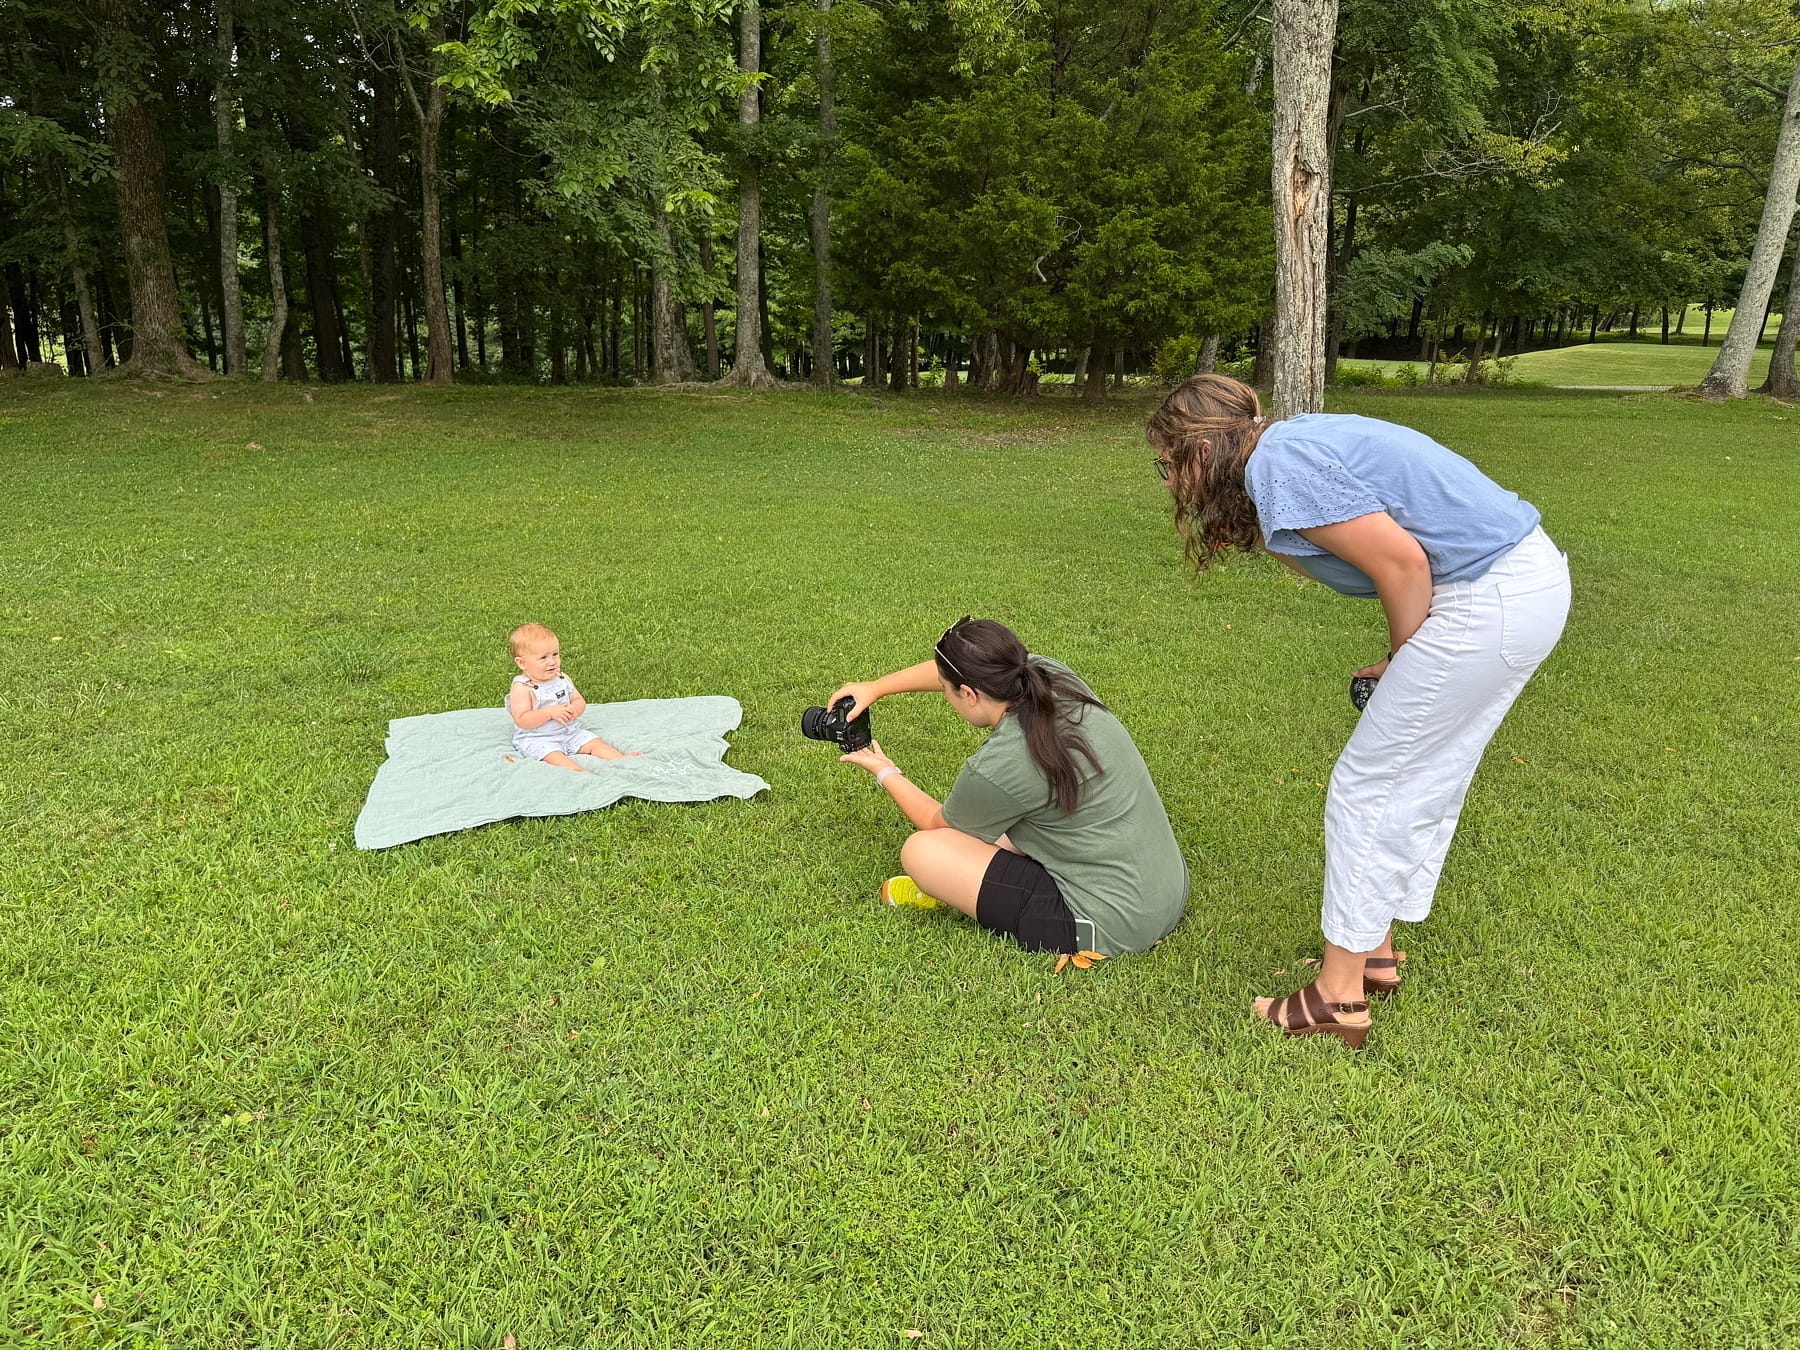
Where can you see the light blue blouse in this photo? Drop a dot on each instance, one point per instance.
(1323, 468)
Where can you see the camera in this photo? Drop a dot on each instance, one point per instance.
(836, 724)
(1362, 689)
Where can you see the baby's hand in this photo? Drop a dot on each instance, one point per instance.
(563, 713)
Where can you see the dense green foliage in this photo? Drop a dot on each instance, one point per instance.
(671, 1076)
(1013, 187)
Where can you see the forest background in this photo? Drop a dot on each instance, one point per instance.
(936, 191)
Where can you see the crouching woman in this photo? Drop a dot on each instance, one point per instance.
(1053, 833)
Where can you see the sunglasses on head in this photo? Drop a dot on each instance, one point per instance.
(939, 648)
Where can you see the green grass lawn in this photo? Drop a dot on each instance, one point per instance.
(669, 1076)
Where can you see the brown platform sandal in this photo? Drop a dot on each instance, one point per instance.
(1374, 987)
(1308, 1014)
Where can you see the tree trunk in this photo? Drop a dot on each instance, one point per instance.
(1340, 267)
(321, 281)
(1473, 372)
(897, 371)
(748, 366)
(559, 339)
(1081, 370)
(823, 368)
(84, 291)
(430, 115)
(1730, 374)
(271, 361)
(206, 328)
(1094, 391)
(409, 309)
(9, 351)
(231, 295)
(460, 318)
(672, 360)
(157, 347)
(384, 232)
(74, 354)
(1301, 177)
(709, 318)
(1783, 381)
(1209, 355)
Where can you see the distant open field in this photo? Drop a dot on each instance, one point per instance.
(1612, 361)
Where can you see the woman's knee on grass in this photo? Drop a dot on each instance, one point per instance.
(947, 864)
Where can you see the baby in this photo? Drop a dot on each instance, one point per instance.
(545, 704)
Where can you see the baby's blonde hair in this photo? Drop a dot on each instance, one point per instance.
(527, 632)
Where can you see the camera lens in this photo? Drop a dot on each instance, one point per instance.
(814, 724)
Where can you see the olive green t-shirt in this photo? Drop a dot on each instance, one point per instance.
(1115, 859)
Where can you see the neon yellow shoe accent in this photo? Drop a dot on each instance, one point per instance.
(905, 891)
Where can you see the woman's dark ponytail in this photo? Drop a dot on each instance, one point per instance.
(988, 657)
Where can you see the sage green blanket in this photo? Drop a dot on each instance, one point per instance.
(455, 770)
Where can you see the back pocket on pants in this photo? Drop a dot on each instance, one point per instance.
(1532, 613)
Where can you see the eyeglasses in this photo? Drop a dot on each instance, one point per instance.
(1163, 467)
(939, 648)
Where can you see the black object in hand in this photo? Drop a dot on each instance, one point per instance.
(836, 724)
(1362, 689)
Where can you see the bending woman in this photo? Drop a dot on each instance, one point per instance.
(1475, 596)
(1053, 833)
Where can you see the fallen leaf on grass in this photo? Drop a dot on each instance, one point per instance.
(912, 1333)
(99, 1302)
(1517, 760)
(509, 1342)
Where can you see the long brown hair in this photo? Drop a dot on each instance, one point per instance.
(988, 657)
(1204, 433)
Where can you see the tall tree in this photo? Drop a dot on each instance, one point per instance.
(1300, 173)
(224, 120)
(428, 110)
(1730, 373)
(748, 367)
(157, 347)
(824, 368)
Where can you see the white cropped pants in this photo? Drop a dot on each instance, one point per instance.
(1398, 788)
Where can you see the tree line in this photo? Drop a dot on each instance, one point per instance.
(879, 190)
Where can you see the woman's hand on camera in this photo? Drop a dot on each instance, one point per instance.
(872, 758)
(863, 691)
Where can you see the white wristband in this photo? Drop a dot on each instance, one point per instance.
(882, 775)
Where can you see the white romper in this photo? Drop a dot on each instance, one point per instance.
(551, 736)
